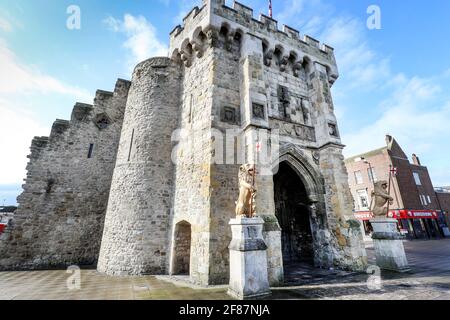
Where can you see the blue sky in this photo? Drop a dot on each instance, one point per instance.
(395, 80)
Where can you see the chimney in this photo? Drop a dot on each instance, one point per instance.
(416, 160)
(388, 140)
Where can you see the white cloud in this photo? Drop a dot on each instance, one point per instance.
(17, 78)
(142, 41)
(417, 115)
(17, 129)
(414, 109)
(360, 66)
(5, 25)
(18, 124)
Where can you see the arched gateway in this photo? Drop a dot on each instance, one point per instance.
(299, 198)
(226, 74)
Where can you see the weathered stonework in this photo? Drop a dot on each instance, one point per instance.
(229, 80)
(61, 211)
(137, 219)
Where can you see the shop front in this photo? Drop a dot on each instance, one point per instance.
(415, 224)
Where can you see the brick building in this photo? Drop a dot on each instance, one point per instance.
(443, 198)
(415, 205)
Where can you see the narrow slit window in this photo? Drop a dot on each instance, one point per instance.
(91, 150)
(131, 146)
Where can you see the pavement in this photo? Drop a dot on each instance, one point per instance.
(429, 279)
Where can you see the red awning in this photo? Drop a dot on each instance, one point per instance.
(364, 215)
(418, 214)
(400, 214)
(2, 227)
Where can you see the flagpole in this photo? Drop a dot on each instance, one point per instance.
(270, 9)
(389, 188)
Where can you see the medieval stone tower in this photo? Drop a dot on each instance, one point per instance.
(158, 199)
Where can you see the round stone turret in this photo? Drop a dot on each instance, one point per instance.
(137, 219)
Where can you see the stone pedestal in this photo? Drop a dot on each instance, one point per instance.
(248, 260)
(388, 245)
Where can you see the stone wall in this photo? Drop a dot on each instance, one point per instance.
(61, 211)
(194, 155)
(139, 209)
(224, 172)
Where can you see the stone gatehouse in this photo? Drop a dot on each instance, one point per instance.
(143, 181)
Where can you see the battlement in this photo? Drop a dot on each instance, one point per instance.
(215, 15)
(192, 19)
(122, 86)
(81, 111)
(239, 11)
(59, 127)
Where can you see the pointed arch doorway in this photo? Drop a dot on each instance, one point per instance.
(299, 199)
(292, 209)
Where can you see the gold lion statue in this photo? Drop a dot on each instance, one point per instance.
(245, 206)
(380, 197)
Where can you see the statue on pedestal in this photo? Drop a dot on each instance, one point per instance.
(245, 206)
(380, 197)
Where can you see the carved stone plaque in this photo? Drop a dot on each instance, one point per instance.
(228, 115)
(258, 111)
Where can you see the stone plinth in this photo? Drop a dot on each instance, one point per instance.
(388, 245)
(248, 260)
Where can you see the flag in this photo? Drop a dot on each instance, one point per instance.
(258, 147)
(394, 171)
(270, 9)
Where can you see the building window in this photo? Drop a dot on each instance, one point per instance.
(363, 199)
(358, 177)
(429, 199)
(417, 178)
(423, 200)
(91, 150)
(372, 175)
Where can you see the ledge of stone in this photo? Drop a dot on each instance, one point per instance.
(388, 236)
(247, 245)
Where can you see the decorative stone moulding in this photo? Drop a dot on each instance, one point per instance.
(102, 121)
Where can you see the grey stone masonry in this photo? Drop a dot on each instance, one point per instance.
(61, 211)
(231, 85)
(137, 219)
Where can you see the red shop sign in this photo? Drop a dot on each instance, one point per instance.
(400, 214)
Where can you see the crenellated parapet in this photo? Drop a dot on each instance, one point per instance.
(287, 47)
(68, 180)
